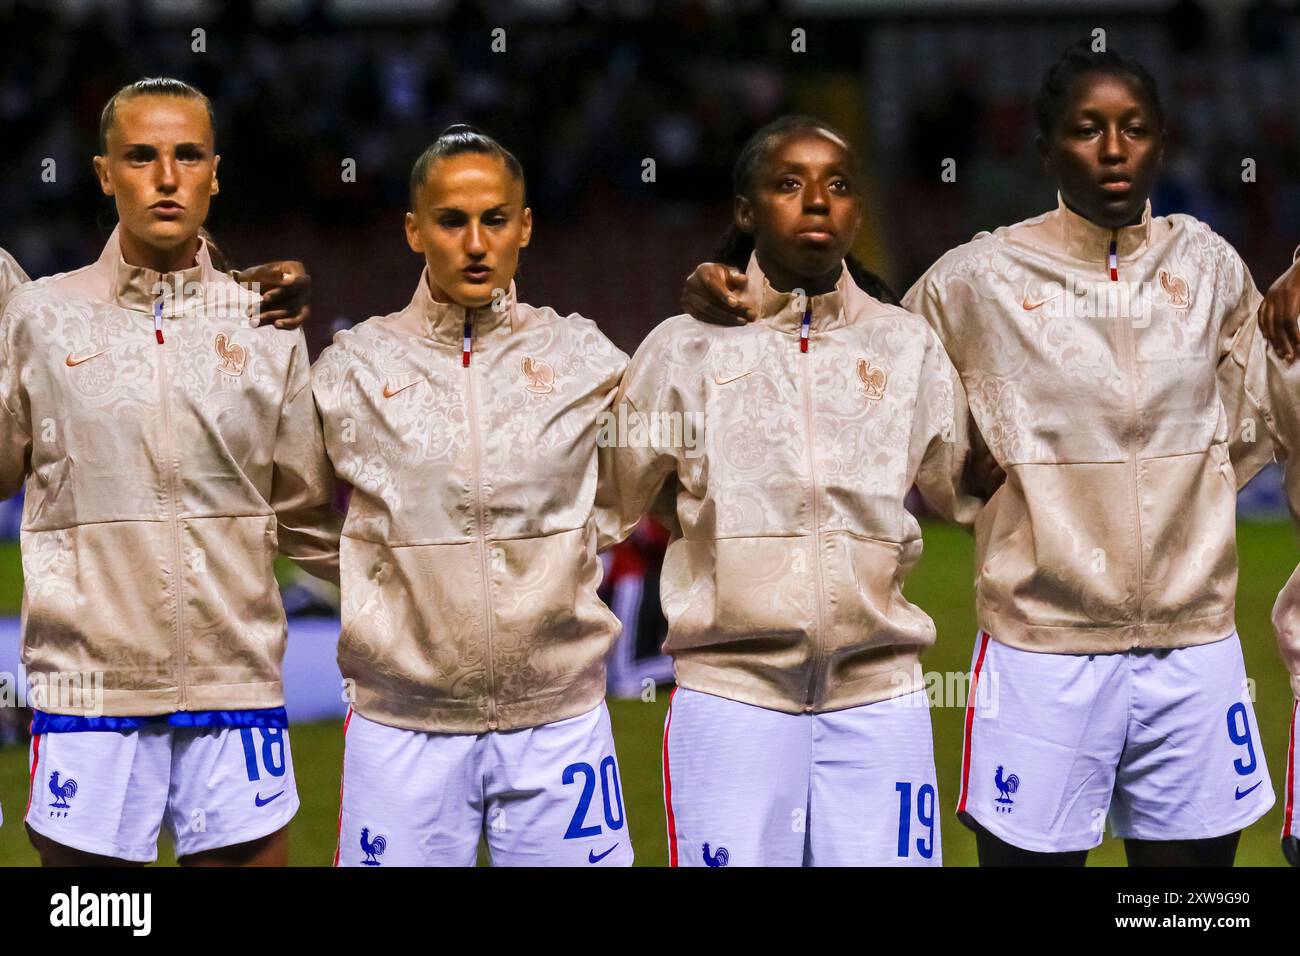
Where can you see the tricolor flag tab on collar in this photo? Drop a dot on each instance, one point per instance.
(805, 327)
(468, 346)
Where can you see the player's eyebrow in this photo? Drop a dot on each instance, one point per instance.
(1097, 112)
(504, 207)
(184, 145)
(837, 168)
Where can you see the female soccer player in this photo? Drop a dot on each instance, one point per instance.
(162, 444)
(1272, 398)
(1089, 340)
(800, 730)
(473, 639)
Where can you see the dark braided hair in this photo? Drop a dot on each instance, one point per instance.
(455, 140)
(737, 245)
(1075, 60)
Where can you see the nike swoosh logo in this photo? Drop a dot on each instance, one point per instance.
(261, 803)
(1240, 794)
(74, 362)
(593, 858)
(390, 392)
(1030, 306)
(719, 380)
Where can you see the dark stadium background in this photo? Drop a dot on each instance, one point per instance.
(583, 94)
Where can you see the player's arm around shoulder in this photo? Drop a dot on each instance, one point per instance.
(302, 484)
(940, 454)
(633, 460)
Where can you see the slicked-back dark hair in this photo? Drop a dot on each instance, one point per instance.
(456, 140)
(1076, 60)
(150, 86)
(737, 245)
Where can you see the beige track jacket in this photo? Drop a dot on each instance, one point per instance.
(469, 552)
(1271, 399)
(161, 480)
(781, 474)
(11, 276)
(1094, 382)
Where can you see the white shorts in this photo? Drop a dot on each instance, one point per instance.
(109, 792)
(749, 786)
(1290, 820)
(1163, 740)
(542, 796)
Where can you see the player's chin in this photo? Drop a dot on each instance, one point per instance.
(168, 234)
(476, 295)
(818, 260)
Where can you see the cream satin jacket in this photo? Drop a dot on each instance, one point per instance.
(11, 276)
(1272, 398)
(783, 580)
(161, 479)
(1096, 383)
(469, 566)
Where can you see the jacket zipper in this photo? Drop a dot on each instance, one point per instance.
(1130, 355)
(164, 380)
(805, 373)
(479, 523)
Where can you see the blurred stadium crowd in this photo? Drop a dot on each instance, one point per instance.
(585, 92)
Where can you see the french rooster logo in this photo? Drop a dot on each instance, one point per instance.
(541, 377)
(873, 379)
(1006, 785)
(717, 859)
(63, 792)
(232, 355)
(373, 849)
(1175, 288)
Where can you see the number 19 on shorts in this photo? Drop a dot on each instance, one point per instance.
(923, 811)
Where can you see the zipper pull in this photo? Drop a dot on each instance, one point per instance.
(805, 327)
(469, 343)
(157, 321)
(1113, 258)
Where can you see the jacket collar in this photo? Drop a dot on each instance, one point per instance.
(138, 289)
(444, 322)
(784, 311)
(1084, 239)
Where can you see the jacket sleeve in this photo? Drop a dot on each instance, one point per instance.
(633, 470)
(15, 414)
(302, 484)
(940, 445)
(11, 277)
(1241, 343)
(1280, 409)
